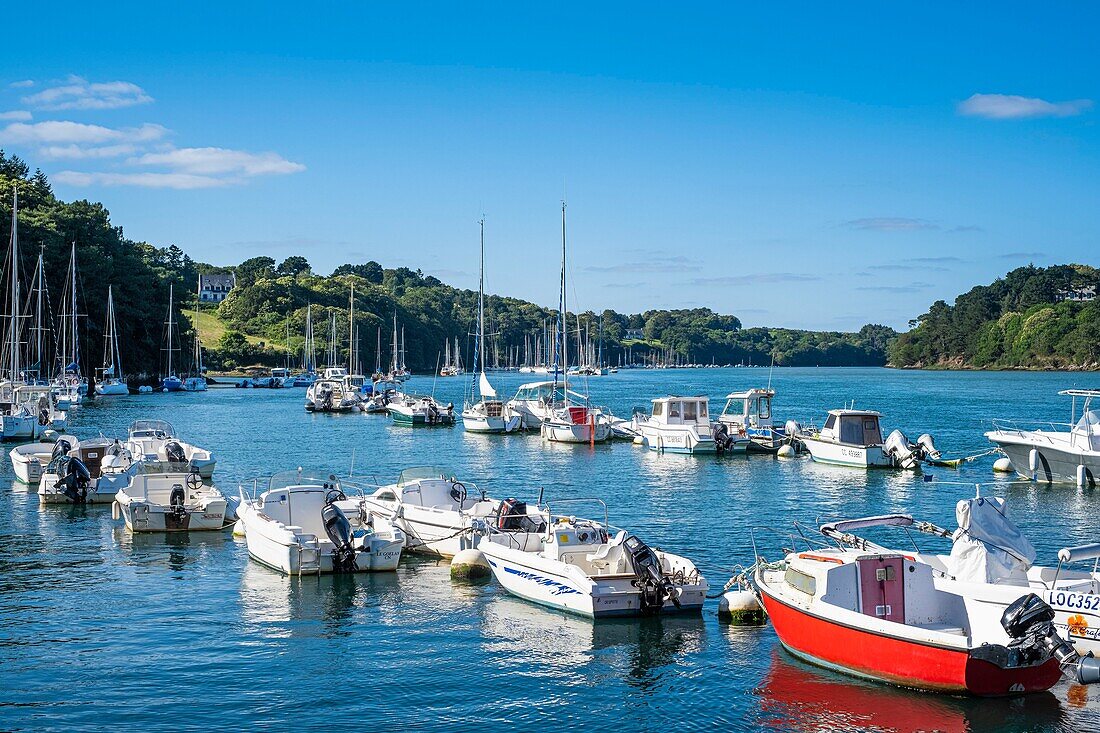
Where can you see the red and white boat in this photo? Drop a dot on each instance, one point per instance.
(880, 615)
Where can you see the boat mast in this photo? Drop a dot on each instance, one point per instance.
(13, 354)
(378, 353)
(351, 330)
(198, 346)
(39, 330)
(481, 310)
(171, 325)
(72, 312)
(564, 318)
(112, 359)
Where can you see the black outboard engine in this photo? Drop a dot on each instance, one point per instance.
(76, 482)
(338, 529)
(512, 517)
(433, 413)
(721, 435)
(174, 452)
(61, 448)
(649, 579)
(1030, 623)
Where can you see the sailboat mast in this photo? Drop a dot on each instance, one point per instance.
(480, 307)
(72, 307)
(351, 330)
(14, 342)
(171, 298)
(38, 329)
(564, 317)
(198, 345)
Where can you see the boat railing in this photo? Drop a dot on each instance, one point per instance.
(1020, 428)
(576, 500)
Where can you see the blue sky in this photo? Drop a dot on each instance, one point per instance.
(796, 165)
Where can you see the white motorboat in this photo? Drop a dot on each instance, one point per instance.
(420, 410)
(110, 381)
(330, 393)
(490, 414)
(27, 411)
(746, 423)
(991, 565)
(571, 423)
(580, 568)
(383, 391)
(92, 471)
(854, 438)
(155, 443)
(305, 523)
(1064, 452)
(535, 402)
(440, 515)
(29, 460)
(677, 425)
(170, 502)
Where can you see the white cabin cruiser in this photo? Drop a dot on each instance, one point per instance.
(677, 425)
(746, 422)
(305, 523)
(170, 502)
(991, 565)
(854, 438)
(92, 471)
(535, 402)
(154, 442)
(1056, 454)
(440, 515)
(580, 568)
(29, 410)
(330, 393)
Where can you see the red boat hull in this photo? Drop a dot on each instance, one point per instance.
(900, 661)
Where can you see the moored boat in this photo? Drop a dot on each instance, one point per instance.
(420, 410)
(155, 444)
(28, 461)
(90, 472)
(746, 423)
(170, 502)
(677, 425)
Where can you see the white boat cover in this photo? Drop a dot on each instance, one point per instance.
(1089, 425)
(988, 547)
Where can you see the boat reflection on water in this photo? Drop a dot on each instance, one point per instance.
(544, 643)
(282, 606)
(171, 550)
(797, 697)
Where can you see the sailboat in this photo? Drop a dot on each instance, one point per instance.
(70, 387)
(195, 381)
(574, 421)
(171, 381)
(110, 381)
(490, 414)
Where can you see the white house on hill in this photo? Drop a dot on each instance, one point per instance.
(214, 288)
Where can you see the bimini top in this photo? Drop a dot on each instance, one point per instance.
(1080, 392)
(152, 429)
(750, 393)
(301, 477)
(673, 397)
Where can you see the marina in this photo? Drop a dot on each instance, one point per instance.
(701, 663)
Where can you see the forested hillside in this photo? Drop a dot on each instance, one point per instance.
(1026, 320)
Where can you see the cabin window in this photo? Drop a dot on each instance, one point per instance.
(764, 408)
(690, 411)
(801, 581)
(658, 409)
(851, 431)
(831, 422)
(674, 409)
(703, 410)
(871, 434)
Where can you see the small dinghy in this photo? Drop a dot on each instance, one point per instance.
(29, 460)
(575, 565)
(991, 565)
(305, 523)
(170, 502)
(881, 616)
(440, 515)
(154, 443)
(92, 471)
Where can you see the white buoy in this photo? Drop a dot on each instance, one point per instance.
(739, 606)
(116, 511)
(1033, 461)
(469, 565)
(639, 440)
(1003, 465)
(238, 528)
(785, 451)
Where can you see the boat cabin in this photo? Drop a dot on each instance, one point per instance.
(673, 410)
(546, 393)
(159, 429)
(852, 427)
(750, 409)
(335, 373)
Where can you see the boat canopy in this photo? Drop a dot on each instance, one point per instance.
(546, 391)
(419, 473)
(988, 547)
(152, 429)
(855, 428)
(674, 410)
(300, 477)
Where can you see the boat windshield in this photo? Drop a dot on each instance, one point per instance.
(303, 478)
(409, 475)
(1089, 424)
(152, 429)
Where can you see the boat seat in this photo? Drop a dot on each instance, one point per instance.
(609, 556)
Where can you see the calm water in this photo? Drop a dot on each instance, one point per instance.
(99, 627)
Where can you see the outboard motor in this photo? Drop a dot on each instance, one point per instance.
(338, 529)
(174, 453)
(929, 447)
(648, 578)
(512, 517)
(76, 482)
(61, 448)
(177, 516)
(432, 414)
(1030, 622)
(721, 434)
(898, 447)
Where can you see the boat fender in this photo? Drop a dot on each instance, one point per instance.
(654, 586)
(338, 529)
(116, 511)
(469, 565)
(1033, 461)
(740, 607)
(1003, 465)
(785, 451)
(238, 528)
(1029, 622)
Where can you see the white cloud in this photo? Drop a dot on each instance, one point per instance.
(144, 180)
(890, 224)
(1014, 107)
(21, 115)
(221, 162)
(24, 84)
(79, 93)
(58, 132)
(77, 152)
